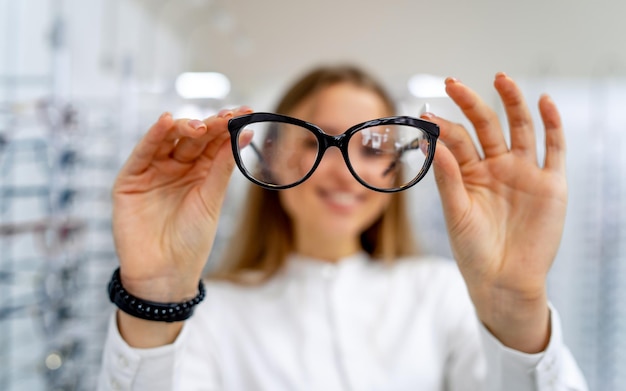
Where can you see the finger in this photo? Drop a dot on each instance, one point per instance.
(555, 137)
(188, 149)
(182, 128)
(520, 121)
(483, 118)
(218, 131)
(158, 142)
(144, 152)
(185, 149)
(219, 175)
(456, 138)
(449, 181)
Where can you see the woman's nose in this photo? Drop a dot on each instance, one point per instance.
(332, 163)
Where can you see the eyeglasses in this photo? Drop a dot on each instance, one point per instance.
(387, 154)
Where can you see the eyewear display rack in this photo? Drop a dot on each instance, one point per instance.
(587, 282)
(606, 231)
(57, 162)
(58, 159)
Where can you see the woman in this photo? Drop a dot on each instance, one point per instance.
(320, 289)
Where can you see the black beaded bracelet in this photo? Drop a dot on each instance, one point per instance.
(149, 310)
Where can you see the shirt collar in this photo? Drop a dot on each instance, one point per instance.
(304, 265)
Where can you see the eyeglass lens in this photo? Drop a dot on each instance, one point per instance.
(384, 156)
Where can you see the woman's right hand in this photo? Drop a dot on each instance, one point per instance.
(166, 204)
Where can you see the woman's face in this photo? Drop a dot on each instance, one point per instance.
(331, 206)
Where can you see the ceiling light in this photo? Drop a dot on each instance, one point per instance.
(202, 85)
(427, 86)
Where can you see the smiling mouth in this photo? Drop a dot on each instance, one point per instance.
(341, 198)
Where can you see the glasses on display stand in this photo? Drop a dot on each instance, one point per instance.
(57, 164)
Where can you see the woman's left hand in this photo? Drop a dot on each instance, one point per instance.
(504, 211)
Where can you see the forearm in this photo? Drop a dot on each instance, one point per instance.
(139, 333)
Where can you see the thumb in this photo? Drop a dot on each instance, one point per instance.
(449, 181)
(214, 187)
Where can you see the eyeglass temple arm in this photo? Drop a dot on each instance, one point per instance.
(262, 162)
(415, 144)
(257, 151)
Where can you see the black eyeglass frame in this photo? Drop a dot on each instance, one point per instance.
(325, 141)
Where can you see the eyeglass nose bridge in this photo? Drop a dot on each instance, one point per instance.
(339, 141)
(326, 141)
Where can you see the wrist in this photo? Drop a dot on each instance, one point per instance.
(163, 289)
(520, 320)
(151, 310)
(145, 334)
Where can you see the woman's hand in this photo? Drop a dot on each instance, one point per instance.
(166, 204)
(504, 211)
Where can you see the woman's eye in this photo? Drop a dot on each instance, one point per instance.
(309, 143)
(371, 151)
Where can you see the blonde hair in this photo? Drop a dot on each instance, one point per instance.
(264, 237)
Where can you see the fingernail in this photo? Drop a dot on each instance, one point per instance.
(424, 147)
(196, 124)
(225, 113)
(166, 114)
(451, 80)
(500, 74)
(546, 97)
(245, 109)
(428, 115)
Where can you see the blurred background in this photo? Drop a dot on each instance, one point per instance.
(81, 80)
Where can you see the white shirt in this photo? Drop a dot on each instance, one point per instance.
(356, 325)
